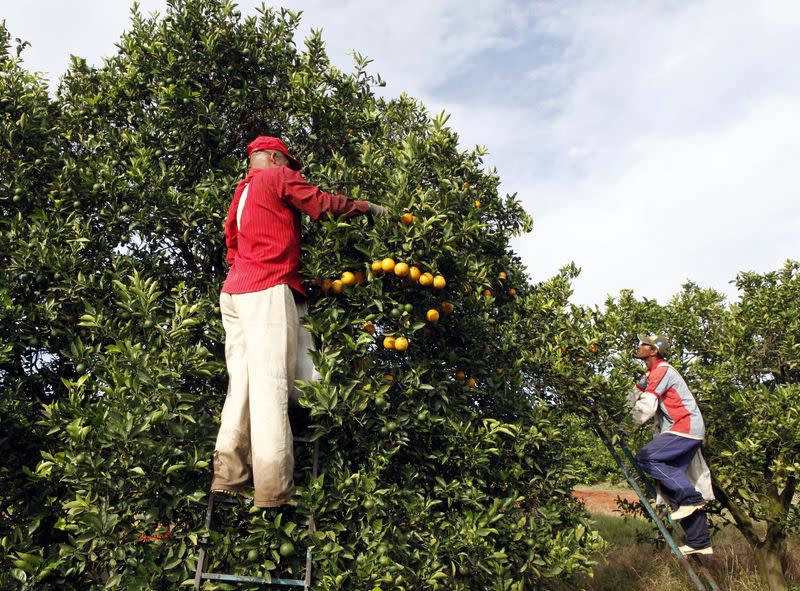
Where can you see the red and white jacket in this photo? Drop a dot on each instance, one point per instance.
(663, 392)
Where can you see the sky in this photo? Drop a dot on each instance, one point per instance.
(653, 142)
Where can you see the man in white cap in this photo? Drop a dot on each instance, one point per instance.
(663, 393)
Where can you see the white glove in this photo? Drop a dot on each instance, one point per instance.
(376, 210)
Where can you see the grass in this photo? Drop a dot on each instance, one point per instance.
(633, 565)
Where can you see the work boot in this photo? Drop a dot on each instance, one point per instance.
(687, 550)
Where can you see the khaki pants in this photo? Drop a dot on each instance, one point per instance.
(262, 338)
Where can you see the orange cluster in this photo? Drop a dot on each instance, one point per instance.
(414, 274)
(397, 343)
(502, 276)
(336, 286)
(470, 382)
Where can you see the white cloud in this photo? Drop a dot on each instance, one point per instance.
(57, 29)
(693, 105)
(698, 206)
(417, 45)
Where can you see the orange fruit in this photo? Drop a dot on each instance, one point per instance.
(401, 269)
(503, 275)
(471, 383)
(425, 279)
(388, 343)
(326, 285)
(376, 267)
(369, 327)
(348, 278)
(465, 186)
(512, 292)
(487, 293)
(337, 286)
(407, 218)
(387, 265)
(594, 348)
(460, 375)
(361, 277)
(439, 282)
(388, 377)
(447, 307)
(477, 202)
(414, 273)
(401, 343)
(432, 315)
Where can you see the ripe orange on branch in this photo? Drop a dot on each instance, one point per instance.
(337, 286)
(471, 383)
(389, 343)
(439, 282)
(426, 279)
(387, 265)
(407, 218)
(348, 278)
(432, 315)
(376, 266)
(414, 273)
(401, 343)
(447, 307)
(401, 269)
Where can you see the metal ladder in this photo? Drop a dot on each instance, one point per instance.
(305, 583)
(707, 582)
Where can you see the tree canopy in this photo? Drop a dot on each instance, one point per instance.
(439, 467)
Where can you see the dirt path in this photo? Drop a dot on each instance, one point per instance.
(603, 499)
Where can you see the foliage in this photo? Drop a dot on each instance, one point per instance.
(742, 362)
(114, 194)
(593, 463)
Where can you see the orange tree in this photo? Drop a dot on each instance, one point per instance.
(441, 467)
(742, 362)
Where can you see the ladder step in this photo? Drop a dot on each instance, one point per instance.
(261, 580)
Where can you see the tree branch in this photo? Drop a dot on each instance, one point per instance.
(744, 523)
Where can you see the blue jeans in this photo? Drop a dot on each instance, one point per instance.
(666, 458)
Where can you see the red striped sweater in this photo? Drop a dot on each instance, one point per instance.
(264, 250)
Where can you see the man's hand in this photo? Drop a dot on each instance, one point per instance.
(376, 210)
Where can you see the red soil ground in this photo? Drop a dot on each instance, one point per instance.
(599, 499)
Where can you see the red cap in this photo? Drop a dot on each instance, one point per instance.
(265, 142)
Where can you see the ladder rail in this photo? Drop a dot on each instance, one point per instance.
(305, 583)
(651, 512)
(311, 524)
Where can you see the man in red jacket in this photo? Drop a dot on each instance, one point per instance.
(261, 302)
